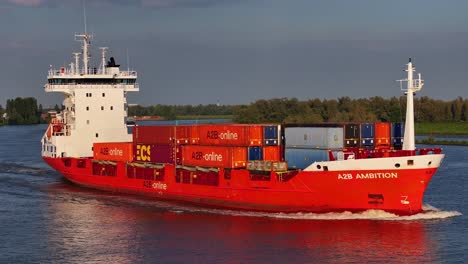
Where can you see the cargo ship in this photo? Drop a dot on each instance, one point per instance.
(327, 167)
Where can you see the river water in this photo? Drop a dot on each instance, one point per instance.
(45, 219)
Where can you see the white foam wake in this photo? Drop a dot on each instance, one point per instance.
(429, 212)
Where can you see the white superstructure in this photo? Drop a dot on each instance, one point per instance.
(95, 106)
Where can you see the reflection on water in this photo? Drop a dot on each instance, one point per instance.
(85, 224)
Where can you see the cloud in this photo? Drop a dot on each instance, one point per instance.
(143, 3)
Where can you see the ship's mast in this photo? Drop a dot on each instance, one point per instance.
(86, 42)
(413, 86)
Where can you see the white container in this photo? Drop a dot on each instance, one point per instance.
(314, 137)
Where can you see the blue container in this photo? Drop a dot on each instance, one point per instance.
(299, 158)
(398, 130)
(271, 135)
(397, 133)
(255, 153)
(367, 130)
(367, 135)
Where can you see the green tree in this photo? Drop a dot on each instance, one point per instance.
(22, 111)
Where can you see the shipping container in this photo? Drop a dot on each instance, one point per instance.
(314, 137)
(397, 134)
(297, 158)
(271, 135)
(182, 134)
(367, 135)
(214, 156)
(382, 135)
(158, 153)
(113, 151)
(223, 135)
(162, 134)
(194, 134)
(255, 135)
(352, 135)
(255, 153)
(272, 153)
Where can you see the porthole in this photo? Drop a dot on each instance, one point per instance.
(397, 165)
(319, 167)
(429, 163)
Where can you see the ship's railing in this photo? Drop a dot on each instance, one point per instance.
(356, 153)
(64, 87)
(69, 72)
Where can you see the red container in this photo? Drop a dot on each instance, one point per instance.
(157, 153)
(382, 135)
(182, 134)
(214, 156)
(255, 135)
(161, 134)
(223, 135)
(114, 151)
(153, 134)
(272, 153)
(194, 134)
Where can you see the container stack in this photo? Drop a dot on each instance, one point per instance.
(307, 144)
(211, 145)
(255, 147)
(160, 144)
(267, 155)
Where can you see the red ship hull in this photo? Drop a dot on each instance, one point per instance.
(401, 192)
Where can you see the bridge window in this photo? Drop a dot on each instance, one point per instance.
(97, 135)
(102, 107)
(111, 108)
(103, 95)
(87, 108)
(87, 122)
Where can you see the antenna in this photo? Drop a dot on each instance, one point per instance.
(128, 60)
(84, 16)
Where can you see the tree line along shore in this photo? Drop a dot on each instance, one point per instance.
(433, 117)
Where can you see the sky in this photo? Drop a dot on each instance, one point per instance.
(238, 51)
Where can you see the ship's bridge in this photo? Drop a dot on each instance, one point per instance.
(63, 79)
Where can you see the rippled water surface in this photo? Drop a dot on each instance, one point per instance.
(46, 219)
